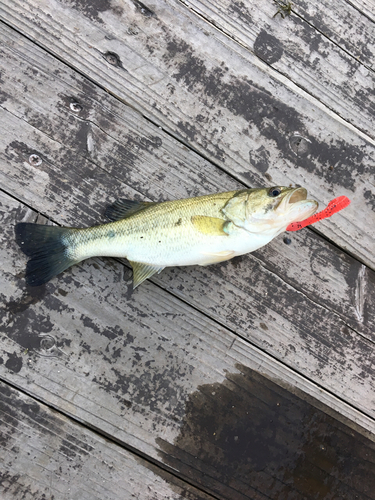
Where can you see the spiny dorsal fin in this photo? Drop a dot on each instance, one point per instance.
(121, 209)
(209, 225)
(142, 272)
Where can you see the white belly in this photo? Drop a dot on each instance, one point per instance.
(164, 249)
(203, 251)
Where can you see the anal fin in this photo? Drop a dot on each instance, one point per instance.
(142, 272)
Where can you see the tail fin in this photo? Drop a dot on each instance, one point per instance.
(48, 247)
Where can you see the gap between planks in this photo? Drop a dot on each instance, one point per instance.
(360, 290)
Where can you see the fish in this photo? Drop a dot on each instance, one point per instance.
(154, 235)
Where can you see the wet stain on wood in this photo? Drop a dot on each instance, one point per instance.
(244, 434)
(14, 362)
(92, 9)
(251, 437)
(268, 47)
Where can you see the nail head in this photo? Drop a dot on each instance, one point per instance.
(74, 106)
(112, 59)
(35, 160)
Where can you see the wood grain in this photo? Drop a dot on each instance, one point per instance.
(250, 379)
(346, 24)
(163, 379)
(257, 305)
(46, 455)
(249, 297)
(366, 7)
(326, 51)
(148, 164)
(217, 96)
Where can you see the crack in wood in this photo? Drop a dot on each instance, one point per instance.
(360, 293)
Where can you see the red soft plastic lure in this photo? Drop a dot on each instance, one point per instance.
(333, 206)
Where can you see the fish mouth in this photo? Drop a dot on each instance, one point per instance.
(295, 206)
(298, 194)
(293, 196)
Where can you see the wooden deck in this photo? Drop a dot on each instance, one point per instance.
(251, 379)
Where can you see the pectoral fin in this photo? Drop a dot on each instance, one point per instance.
(142, 272)
(209, 225)
(215, 257)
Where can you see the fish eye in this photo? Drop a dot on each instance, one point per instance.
(273, 192)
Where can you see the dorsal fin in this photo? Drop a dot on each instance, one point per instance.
(121, 209)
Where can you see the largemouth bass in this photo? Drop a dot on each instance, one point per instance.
(203, 230)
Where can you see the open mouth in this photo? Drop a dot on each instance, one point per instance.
(295, 205)
(298, 194)
(294, 196)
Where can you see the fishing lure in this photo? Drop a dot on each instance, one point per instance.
(333, 207)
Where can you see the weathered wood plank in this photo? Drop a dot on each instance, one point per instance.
(145, 366)
(243, 295)
(326, 447)
(366, 7)
(176, 69)
(239, 437)
(327, 276)
(88, 123)
(132, 365)
(257, 305)
(348, 25)
(46, 455)
(308, 53)
(152, 165)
